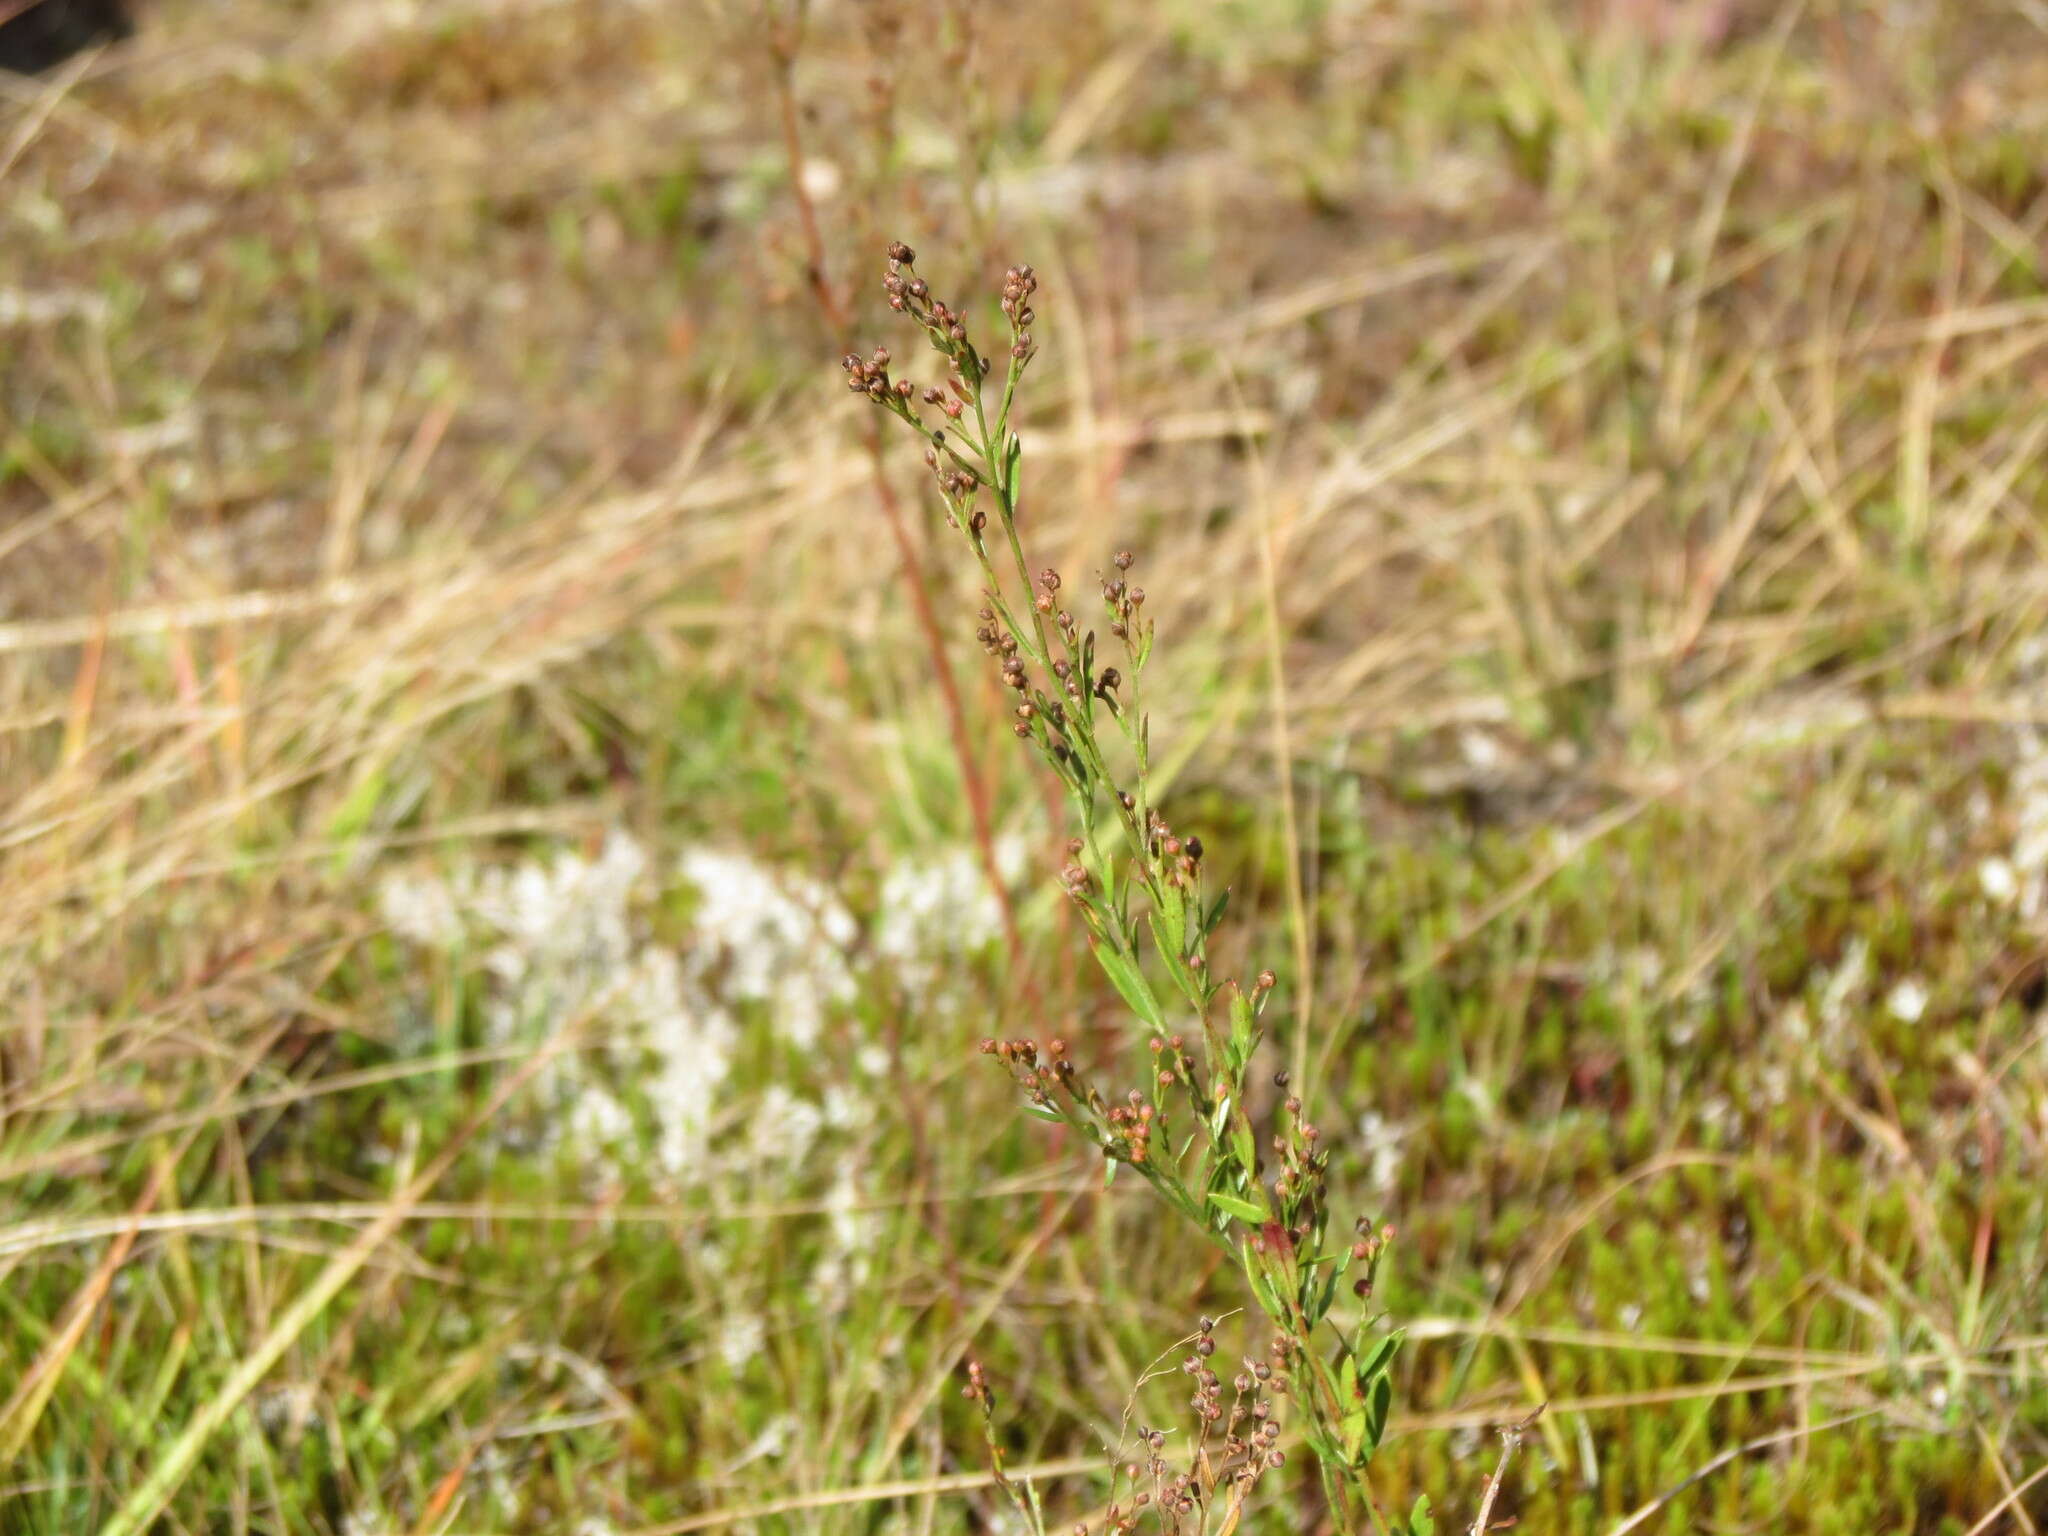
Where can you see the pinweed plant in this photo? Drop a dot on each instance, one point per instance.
(1258, 1192)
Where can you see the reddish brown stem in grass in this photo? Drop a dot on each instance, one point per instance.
(783, 46)
(949, 692)
(782, 43)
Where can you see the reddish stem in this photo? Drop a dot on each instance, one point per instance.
(783, 45)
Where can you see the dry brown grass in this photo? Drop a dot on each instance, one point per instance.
(1626, 452)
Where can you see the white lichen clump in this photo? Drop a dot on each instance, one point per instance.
(564, 937)
(940, 907)
(780, 938)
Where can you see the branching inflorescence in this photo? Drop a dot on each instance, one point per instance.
(1131, 874)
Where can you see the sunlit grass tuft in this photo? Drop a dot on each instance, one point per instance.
(413, 478)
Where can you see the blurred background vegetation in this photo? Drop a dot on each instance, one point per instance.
(491, 942)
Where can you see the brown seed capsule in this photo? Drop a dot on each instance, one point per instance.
(898, 251)
(1124, 560)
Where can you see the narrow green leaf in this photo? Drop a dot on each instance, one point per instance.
(1244, 1034)
(1243, 1147)
(1183, 978)
(1125, 976)
(1262, 1288)
(1334, 1455)
(1320, 1295)
(1373, 1361)
(1215, 914)
(1378, 1403)
(1172, 912)
(1238, 1206)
